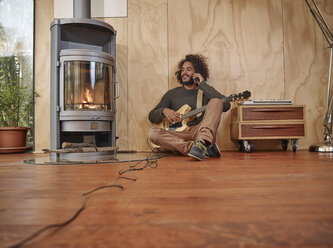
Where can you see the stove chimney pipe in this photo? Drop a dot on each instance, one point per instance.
(81, 9)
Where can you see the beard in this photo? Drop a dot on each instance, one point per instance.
(189, 82)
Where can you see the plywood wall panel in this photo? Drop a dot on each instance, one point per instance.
(120, 25)
(43, 18)
(242, 40)
(307, 63)
(271, 47)
(147, 65)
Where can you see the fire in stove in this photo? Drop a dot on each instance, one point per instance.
(87, 97)
(88, 102)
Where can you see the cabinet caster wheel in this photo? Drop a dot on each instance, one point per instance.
(284, 144)
(240, 145)
(248, 146)
(294, 145)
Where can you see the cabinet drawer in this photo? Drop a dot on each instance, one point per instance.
(272, 130)
(272, 113)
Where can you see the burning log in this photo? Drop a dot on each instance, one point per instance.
(83, 149)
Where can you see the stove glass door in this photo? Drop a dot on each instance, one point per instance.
(88, 86)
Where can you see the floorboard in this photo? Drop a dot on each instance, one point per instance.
(262, 199)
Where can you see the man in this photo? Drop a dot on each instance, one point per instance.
(199, 140)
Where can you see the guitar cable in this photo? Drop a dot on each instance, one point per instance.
(150, 162)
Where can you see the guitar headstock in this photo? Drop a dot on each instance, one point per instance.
(239, 97)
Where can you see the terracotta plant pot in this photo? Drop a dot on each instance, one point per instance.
(13, 139)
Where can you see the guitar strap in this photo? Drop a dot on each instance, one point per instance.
(199, 101)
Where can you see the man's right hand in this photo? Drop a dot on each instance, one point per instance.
(171, 115)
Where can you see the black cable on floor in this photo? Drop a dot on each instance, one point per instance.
(150, 162)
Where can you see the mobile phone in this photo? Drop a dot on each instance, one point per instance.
(195, 80)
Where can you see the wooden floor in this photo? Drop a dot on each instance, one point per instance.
(263, 199)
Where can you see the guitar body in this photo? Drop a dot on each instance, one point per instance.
(179, 126)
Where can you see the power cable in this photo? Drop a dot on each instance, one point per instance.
(150, 162)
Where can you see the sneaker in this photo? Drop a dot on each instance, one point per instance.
(198, 150)
(213, 151)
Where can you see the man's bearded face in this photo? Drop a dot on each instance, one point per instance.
(187, 73)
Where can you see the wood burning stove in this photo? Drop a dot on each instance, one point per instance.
(83, 86)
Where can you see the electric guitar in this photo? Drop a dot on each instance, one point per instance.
(187, 115)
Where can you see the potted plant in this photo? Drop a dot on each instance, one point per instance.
(15, 107)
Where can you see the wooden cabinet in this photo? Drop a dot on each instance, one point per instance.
(254, 122)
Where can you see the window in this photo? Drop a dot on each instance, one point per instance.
(16, 58)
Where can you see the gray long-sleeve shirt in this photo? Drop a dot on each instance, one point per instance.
(179, 96)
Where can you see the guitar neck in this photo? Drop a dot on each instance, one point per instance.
(198, 110)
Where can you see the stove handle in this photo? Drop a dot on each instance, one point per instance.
(117, 86)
